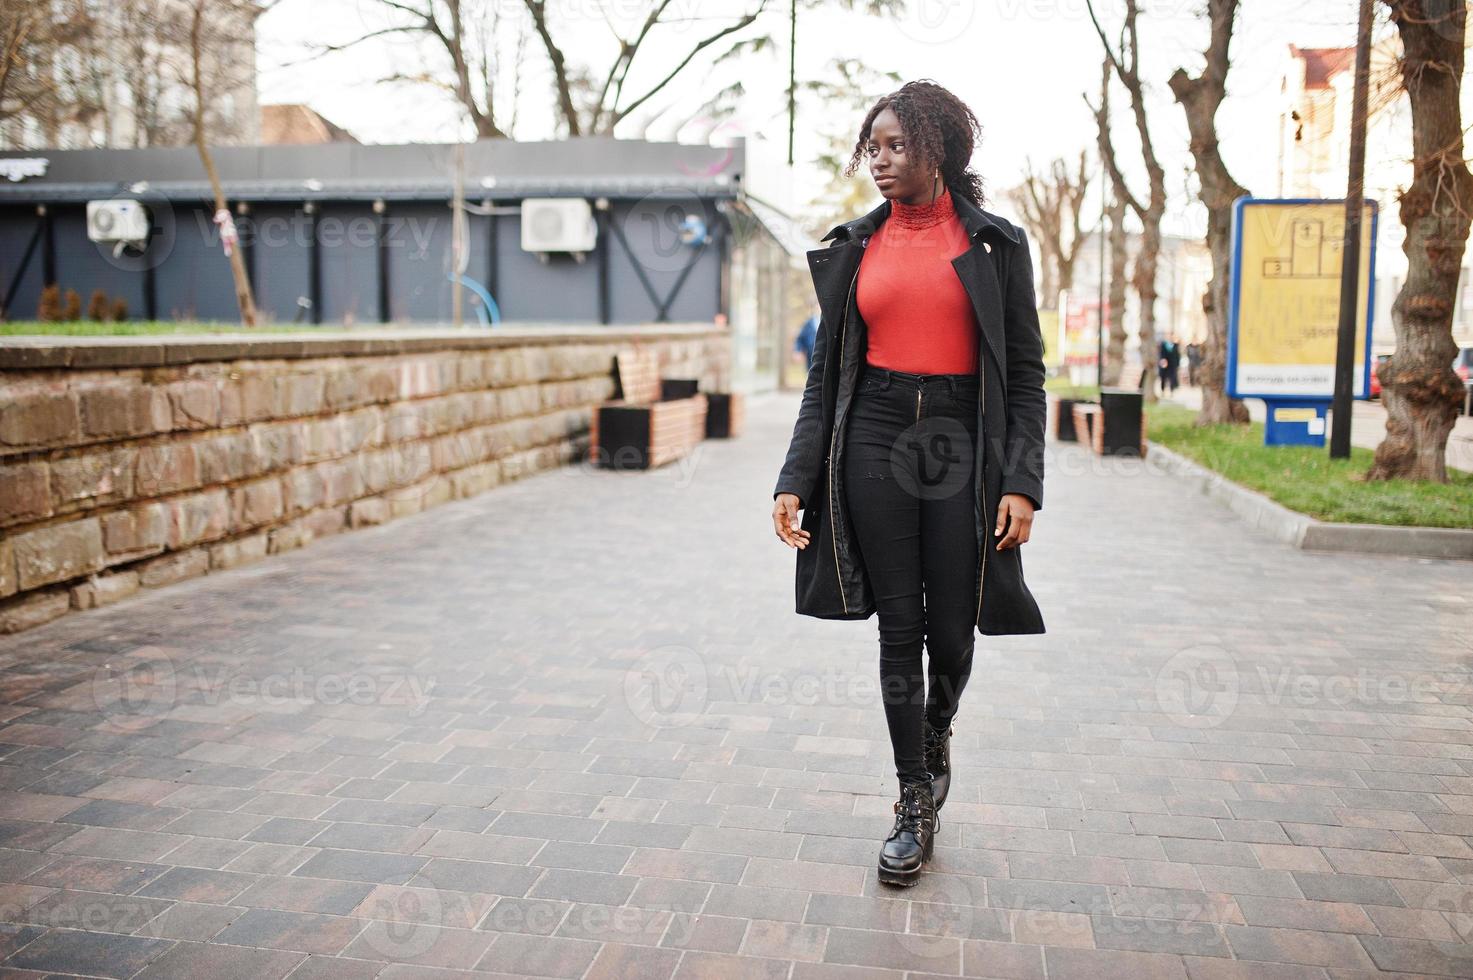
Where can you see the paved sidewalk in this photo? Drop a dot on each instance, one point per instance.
(572, 728)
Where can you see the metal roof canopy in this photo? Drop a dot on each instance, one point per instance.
(580, 166)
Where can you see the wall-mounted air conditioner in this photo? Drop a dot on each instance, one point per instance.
(117, 221)
(558, 224)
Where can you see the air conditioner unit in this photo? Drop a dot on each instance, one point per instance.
(117, 221)
(558, 224)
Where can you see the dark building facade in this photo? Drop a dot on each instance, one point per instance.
(342, 233)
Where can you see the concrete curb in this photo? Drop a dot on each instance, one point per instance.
(1303, 531)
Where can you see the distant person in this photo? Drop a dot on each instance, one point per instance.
(807, 336)
(1194, 363)
(1168, 361)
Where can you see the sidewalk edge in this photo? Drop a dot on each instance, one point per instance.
(1308, 533)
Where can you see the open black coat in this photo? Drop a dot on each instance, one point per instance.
(997, 273)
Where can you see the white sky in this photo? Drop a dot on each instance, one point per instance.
(1022, 65)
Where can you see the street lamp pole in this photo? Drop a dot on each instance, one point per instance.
(1340, 405)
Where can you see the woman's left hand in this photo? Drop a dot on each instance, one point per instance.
(1019, 508)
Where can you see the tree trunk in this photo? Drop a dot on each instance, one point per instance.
(243, 294)
(1216, 405)
(1421, 392)
(1144, 280)
(1201, 97)
(1119, 260)
(1126, 63)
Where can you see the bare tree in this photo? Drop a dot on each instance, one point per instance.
(116, 74)
(141, 24)
(588, 102)
(1052, 208)
(1419, 388)
(26, 33)
(1114, 362)
(1200, 97)
(37, 81)
(1126, 63)
(211, 70)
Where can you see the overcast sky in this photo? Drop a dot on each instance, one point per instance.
(1022, 65)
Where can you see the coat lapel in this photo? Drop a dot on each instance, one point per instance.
(979, 277)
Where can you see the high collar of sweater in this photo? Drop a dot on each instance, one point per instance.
(922, 215)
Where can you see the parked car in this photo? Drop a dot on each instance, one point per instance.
(1462, 364)
(1375, 381)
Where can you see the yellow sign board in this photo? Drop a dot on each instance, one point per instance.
(1285, 311)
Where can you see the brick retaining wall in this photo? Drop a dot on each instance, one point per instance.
(128, 463)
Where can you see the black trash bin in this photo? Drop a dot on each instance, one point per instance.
(1121, 410)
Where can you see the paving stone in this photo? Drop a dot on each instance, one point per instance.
(187, 961)
(89, 953)
(301, 931)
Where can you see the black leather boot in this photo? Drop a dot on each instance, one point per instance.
(938, 760)
(914, 835)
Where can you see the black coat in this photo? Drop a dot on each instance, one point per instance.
(997, 273)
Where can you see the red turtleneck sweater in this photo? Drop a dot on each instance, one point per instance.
(917, 311)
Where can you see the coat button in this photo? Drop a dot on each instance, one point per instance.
(987, 245)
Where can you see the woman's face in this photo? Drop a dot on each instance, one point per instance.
(895, 170)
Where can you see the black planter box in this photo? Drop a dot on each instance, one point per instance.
(672, 388)
(1064, 418)
(725, 414)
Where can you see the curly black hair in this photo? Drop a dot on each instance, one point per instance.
(941, 128)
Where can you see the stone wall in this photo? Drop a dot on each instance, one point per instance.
(129, 463)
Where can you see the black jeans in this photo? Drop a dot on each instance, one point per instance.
(909, 486)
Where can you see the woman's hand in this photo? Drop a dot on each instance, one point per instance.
(785, 520)
(1019, 508)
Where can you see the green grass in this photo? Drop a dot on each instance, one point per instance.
(1306, 479)
(91, 328)
(1063, 388)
